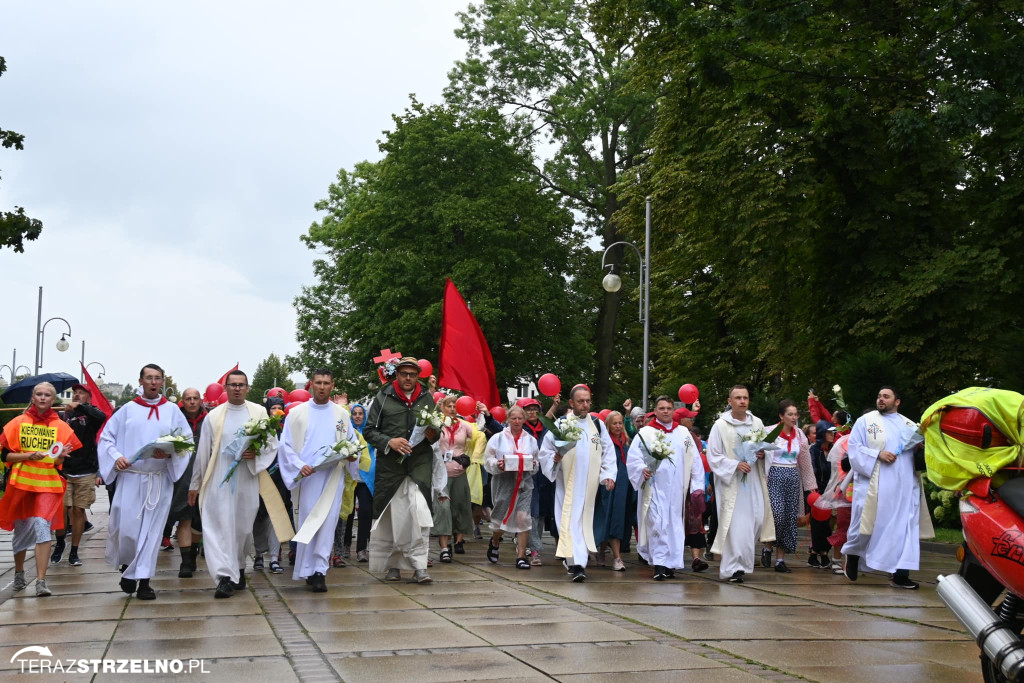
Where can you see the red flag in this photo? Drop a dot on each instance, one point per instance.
(224, 377)
(98, 399)
(465, 360)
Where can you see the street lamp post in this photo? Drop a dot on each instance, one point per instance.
(612, 282)
(62, 343)
(103, 370)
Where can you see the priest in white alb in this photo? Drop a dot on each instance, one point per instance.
(142, 497)
(310, 431)
(885, 519)
(577, 470)
(229, 508)
(665, 491)
(741, 490)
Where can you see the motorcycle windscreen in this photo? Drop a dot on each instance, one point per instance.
(973, 433)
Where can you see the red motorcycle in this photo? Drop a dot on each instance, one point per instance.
(992, 555)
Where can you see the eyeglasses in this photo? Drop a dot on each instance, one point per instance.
(237, 386)
(408, 374)
(152, 379)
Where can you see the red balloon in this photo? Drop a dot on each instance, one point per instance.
(688, 393)
(549, 384)
(812, 497)
(498, 413)
(222, 399)
(438, 395)
(426, 369)
(288, 406)
(213, 392)
(821, 514)
(465, 406)
(277, 391)
(604, 414)
(300, 395)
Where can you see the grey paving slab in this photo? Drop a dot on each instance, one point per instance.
(667, 676)
(413, 638)
(669, 593)
(888, 673)
(378, 621)
(195, 648)
(61, 651)
(472, 617)
(589, 658)
(193, 627)
(478, 664)
(253, 669)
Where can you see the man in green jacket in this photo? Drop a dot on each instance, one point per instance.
(400, 538)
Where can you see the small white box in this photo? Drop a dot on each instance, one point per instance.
(512, 463)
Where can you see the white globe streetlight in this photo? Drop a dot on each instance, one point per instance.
(611, 283)
(62, 344)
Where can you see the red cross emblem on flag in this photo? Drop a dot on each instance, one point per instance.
(386, 356)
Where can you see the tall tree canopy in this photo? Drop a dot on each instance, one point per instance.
(831, 177)
(542, 64)
(15, 226)
(454, 196)
(271, 372)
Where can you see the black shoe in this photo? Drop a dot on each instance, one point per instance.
(145, 592)
(671, 573)
(225, 588)
(766, 557)
(257, 564)
(446, 554)
(898, 582)
(188, 562)
(698, 565)
(460, 548)
(812, 560)
(319, 583)
(642, 561)
(737, 577)
(73, 559)
(579, 576)
(492, 553)
(88, 527)
(240, 586)
(781, 568)
(128, 585)
(850, 567)
(660, 573)
(58, 551)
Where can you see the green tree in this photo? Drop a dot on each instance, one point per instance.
(171, 387)
(830, 178)
(271, 372)
(127, 394)
(454, 196)
(541, 63)
(15, 226)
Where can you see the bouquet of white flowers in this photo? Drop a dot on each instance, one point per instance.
(753, 441)
(566, 431)
(655, 452)
(428, 418)
(841, 402)
(343, 450)
(253, 435)
(171, 444)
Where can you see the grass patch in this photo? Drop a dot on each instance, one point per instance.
(954, 536)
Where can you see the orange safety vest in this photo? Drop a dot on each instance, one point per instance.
(27, 434)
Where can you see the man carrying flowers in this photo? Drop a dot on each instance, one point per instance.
(666, 477)
(403, 489)
(228, 501)
(145, 484)
(318, 446)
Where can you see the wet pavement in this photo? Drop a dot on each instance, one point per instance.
(479, 621)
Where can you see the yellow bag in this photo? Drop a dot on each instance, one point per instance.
(951, 462)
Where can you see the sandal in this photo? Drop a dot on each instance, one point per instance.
(492, 553)
(521, 563)
(446, 555)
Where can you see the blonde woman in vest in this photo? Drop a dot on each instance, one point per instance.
(34, 501)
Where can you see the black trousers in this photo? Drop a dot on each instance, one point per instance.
(364, 503)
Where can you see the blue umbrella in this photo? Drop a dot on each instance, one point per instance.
(21, 392)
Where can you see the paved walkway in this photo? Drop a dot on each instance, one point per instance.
(493, 622)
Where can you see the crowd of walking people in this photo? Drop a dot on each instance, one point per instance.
(244, 480)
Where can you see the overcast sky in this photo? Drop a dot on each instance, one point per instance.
(174, 152)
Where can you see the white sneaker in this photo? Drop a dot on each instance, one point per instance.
(41, 589)
(19, 582)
